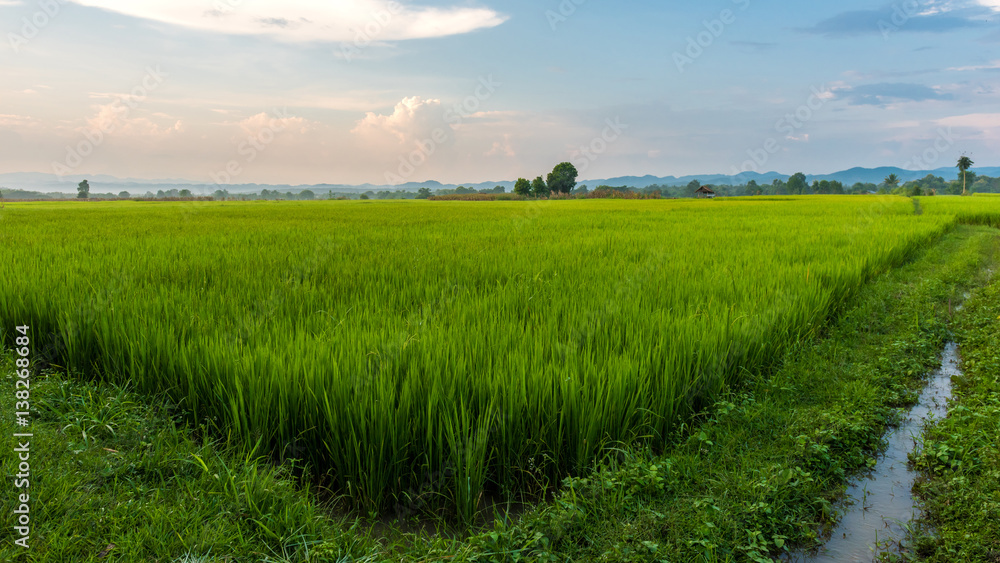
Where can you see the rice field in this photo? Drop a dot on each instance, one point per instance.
(448, 350)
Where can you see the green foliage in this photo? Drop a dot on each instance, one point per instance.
(522, 187)
(964, 164)
(83, 190)
(562, 179)
(797, 184)
(539, 188)
(113, 475)
(826, 187)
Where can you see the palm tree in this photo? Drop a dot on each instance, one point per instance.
(964, 164)
(891, 181)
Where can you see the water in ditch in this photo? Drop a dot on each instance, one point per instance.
(880, 504)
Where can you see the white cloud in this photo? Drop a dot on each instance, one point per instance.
(934, 7)
(977, 120)
(412, 120)
(255, 124)
(357, 21)
(114, 118)
(992, 4)
(502, 148)
(995, 65)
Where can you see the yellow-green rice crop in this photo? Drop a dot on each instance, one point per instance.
(476, 347)
(983, 209)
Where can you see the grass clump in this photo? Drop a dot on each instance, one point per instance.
(119, 477)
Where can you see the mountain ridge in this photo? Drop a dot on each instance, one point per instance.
(38, 181)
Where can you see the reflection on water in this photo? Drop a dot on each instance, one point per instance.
(881, 503)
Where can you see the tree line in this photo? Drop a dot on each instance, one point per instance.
(562, 182)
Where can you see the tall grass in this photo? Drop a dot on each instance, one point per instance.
(483, 348)
(983, 209)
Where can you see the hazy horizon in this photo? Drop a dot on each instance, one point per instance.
(363, 91)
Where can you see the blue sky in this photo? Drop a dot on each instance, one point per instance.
(356, 91)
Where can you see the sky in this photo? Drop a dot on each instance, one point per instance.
(367, 91)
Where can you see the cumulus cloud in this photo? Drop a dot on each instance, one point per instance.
(114, 117)
(310, 20)
(412, 120)
(502, 148)
(254, 124)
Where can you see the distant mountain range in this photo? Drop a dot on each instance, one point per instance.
(846, 177)
(35, 181)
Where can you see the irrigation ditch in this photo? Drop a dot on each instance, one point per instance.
(879, 507)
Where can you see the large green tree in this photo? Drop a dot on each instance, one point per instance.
(83, 190)
(964, 164)
(539, 188)
(522, 187)
(797, 184)
(562, 179)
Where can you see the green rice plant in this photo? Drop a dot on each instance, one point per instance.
(507, 344)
